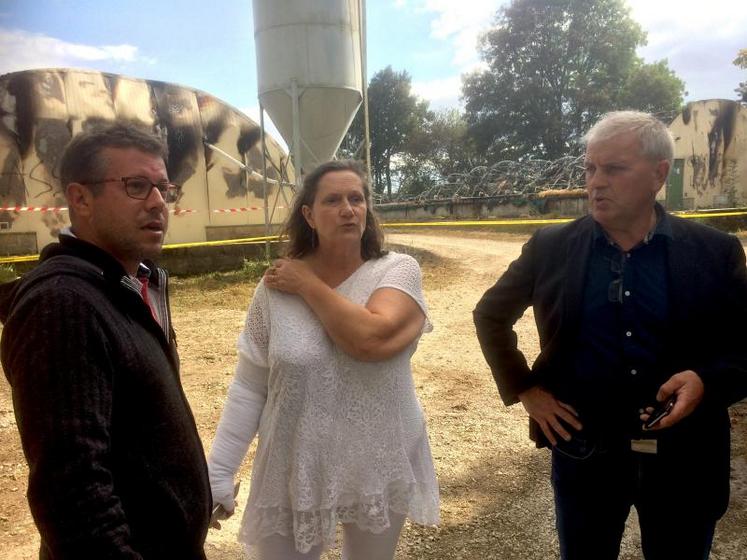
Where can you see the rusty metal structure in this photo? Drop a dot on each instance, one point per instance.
(215, 153)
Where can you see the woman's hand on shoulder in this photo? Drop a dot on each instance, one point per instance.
(288, 275)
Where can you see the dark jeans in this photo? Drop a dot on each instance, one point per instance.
(594, 491)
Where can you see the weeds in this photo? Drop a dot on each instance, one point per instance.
(222, 289)
(255, 269)
(7, 273)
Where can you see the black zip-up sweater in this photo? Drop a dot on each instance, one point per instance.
(117, 469)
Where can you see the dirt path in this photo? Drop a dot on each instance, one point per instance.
(496, 501)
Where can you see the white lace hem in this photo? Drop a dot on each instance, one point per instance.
(370, 513)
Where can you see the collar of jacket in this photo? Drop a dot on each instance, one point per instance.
(111, 267)
(99, 262)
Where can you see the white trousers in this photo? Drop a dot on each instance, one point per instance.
(357, 544)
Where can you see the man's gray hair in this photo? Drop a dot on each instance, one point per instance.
(656, 140)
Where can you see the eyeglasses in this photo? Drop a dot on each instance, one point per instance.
(615, 289)
(141, 187)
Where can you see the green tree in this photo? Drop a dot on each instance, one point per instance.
(394, 116)
(654, 88)
(452, 148)
(437, 148)
(741, 62)
(554, 66)
(413, 172)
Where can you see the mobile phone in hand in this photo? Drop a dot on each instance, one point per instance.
(660, 411)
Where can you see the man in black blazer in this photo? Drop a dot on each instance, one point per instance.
(635, 309)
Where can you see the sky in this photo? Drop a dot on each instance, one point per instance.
(210, 45)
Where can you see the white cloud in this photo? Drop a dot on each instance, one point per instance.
(678, 21)
(21, 50)
(440, 92)
(461, 23)
(699, 41)
(445, 92)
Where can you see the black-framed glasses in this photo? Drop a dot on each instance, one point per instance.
(140, 187)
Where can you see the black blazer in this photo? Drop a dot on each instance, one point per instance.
(708, 303)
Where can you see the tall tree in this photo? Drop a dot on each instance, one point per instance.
(452, 150)
(394, 115)
(554, 66)
(440, 147)
(654, 88)
(741, 62)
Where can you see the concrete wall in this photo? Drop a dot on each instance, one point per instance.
(216, 233)
(15, 243)
(202, 260)
(484, 208)
(197, 260)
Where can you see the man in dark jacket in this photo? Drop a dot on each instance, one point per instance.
(116, 466)
(635, 309)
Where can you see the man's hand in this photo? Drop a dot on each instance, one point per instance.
(547, 411)
(688, 387)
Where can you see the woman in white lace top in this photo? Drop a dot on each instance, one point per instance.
(324, 379)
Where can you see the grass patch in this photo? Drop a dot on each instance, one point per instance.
(437, 272)
(251, 271)
(231, 289)
(255, 269)
(7, 273)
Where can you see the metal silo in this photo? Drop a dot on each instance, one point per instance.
(309, 72)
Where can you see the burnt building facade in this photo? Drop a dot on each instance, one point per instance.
(710, 159)
(215, 153)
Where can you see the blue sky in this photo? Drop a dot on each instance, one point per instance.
(210, 45)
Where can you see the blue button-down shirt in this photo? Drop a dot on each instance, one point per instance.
(622, 330)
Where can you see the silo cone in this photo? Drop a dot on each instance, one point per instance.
(309, 72)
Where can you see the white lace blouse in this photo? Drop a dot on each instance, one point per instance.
(340, 440)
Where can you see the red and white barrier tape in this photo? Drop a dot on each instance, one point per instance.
(243, 209)
(57, 209)
(175, 211)
(33, 209)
